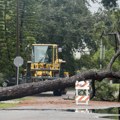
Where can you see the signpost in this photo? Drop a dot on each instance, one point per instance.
(18, 61)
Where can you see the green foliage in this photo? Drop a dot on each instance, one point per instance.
(86, 62)
(1, 78)
(93, 61)
(67, 23)
(113, 110)
(109, 3)
(105, 91)
(106, 22)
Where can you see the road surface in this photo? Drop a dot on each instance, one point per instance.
(47, 107)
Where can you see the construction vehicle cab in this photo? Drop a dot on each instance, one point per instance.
(45, 64)
(43, 53)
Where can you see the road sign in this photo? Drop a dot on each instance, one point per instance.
(18, 61)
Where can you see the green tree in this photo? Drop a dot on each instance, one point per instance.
(109, 3)
(7, 37)
(64, 23)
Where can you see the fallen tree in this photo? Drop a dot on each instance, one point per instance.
(27, 89)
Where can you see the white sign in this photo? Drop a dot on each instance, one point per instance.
(18, 61)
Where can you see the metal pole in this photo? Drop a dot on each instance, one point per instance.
(119, 93)
(17, 37)
(17, 75)
(101, 54)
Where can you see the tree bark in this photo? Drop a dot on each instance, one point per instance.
(27, 89)
(116, 55)
(113, 59)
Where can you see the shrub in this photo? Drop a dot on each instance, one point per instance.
(105, 91)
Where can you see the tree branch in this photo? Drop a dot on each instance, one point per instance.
(115, 56)
(109, 67)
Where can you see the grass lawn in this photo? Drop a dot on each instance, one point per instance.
(12, 103)
(7, 105)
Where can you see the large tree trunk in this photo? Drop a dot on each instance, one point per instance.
(27, 89)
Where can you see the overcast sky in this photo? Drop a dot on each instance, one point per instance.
(94, 6)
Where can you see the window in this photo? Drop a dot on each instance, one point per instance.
(42, 54)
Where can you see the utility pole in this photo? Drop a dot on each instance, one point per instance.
(102, 54)
(17, 37)
(101, 46)
(17, 31)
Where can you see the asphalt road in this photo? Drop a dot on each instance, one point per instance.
(47, 115)
(48, 107)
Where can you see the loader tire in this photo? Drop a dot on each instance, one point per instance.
(57, 93)
(64, 91)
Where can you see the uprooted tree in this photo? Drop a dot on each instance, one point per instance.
(50, 85)
(27, 89)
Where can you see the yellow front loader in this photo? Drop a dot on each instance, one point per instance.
(45, 64)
